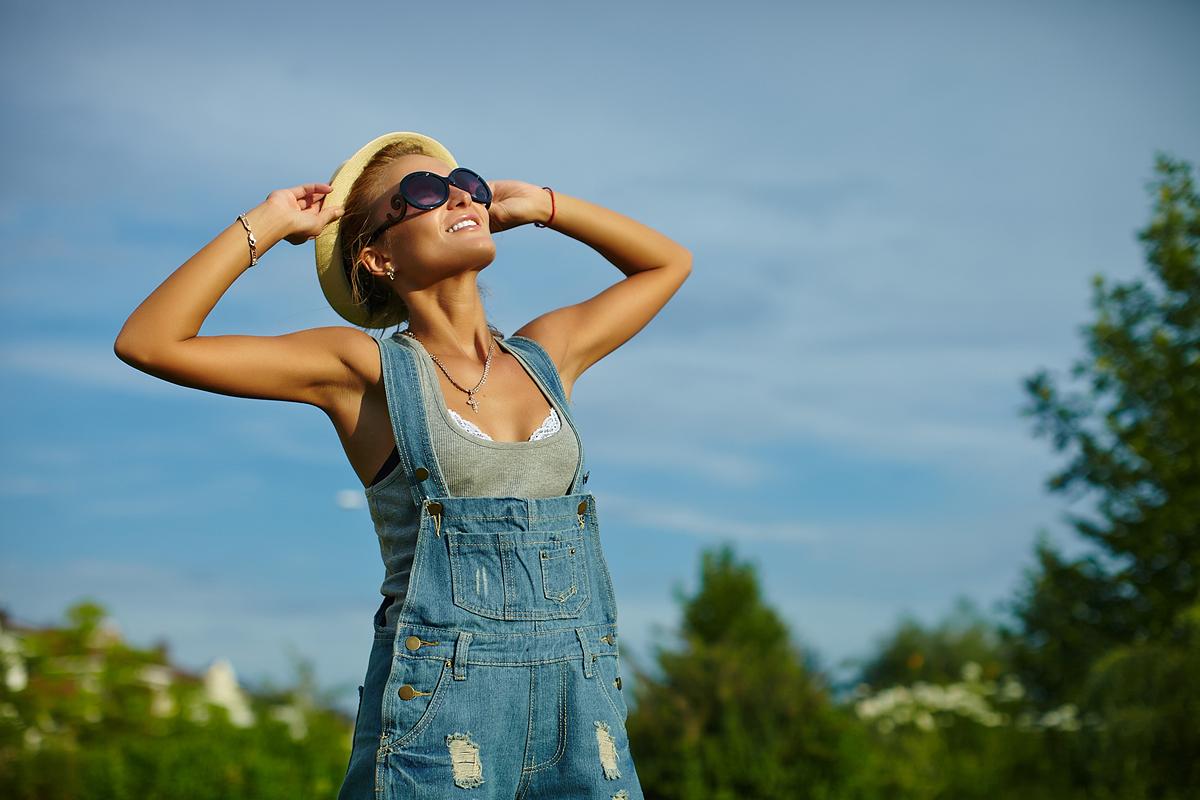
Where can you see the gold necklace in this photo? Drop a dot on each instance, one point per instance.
(471, 401)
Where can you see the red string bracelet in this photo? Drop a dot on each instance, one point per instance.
(552, 209)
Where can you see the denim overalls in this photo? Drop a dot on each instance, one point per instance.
(501, 678)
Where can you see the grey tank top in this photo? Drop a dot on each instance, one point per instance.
(472, 466)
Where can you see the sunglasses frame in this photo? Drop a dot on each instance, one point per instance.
(401, 202)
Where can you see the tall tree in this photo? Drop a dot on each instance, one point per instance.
(1134, 443)
(735, 713)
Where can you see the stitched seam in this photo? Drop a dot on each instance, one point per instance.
(435, 703)
(605, 688)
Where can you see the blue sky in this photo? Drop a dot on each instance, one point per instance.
(894, 211)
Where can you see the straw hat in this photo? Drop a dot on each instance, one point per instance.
(331, 269)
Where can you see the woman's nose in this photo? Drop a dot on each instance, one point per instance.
(459, 197)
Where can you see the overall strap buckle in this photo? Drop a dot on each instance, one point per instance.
(435, 510)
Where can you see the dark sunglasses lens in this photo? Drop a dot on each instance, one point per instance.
(471, 183)
(425, 191)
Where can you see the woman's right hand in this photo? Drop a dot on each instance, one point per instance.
(302, 210)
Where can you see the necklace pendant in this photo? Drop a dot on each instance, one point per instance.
(473, 403)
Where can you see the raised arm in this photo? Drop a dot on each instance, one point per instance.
(579, 335)
(161, 337)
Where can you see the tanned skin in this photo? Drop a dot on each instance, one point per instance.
(337, 368)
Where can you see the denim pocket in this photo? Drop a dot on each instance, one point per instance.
(559, 571)
(524, 575)
(415, 691)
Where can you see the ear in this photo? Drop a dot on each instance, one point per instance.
(376, 261)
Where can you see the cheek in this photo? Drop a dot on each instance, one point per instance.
(418, 248)
(420, 232)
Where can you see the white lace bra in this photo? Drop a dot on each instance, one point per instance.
(548, 427)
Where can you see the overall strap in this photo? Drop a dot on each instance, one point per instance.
(406, 409)
(538, 360)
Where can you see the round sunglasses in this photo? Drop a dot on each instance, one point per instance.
(428, 190)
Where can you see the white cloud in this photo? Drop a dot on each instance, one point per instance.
(351, 499)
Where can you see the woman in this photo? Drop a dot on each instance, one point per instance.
(495, 665)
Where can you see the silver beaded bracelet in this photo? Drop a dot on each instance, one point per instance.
(249, 238)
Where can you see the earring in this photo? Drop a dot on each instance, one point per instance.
(391, 274)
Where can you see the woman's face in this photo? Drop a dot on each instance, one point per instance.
(421, 247)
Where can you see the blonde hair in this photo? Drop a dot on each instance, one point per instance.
(382, 305)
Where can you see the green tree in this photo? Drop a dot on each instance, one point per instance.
(1115, 630)
(735, 714)
(1149, 697)
(1134, 438)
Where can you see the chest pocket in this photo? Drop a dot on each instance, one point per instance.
(520, 575)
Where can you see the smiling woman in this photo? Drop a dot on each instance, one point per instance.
(496, 585)
(369, 214)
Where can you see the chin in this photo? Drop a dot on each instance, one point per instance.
(484, 260)
(487, 250)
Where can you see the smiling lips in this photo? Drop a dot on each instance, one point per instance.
(461, 223)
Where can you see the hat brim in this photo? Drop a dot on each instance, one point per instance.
(331, 271)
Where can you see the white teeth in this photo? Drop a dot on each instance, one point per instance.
(465, 223)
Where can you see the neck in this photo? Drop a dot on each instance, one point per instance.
(471, 345)
(449, 319)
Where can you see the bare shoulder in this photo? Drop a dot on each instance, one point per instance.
(356, 350)
(550, 338)
(551, 332)
(357, 354)
(359, 351)
(577, 336)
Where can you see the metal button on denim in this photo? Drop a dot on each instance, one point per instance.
(407, 692)
(435, 507)
(421, 473)
(413, 643)
(582, 506)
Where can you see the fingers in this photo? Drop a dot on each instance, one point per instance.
(311, 188)
(311, 195)
(310, 198)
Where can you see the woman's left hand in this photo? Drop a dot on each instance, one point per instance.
(517, 203)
